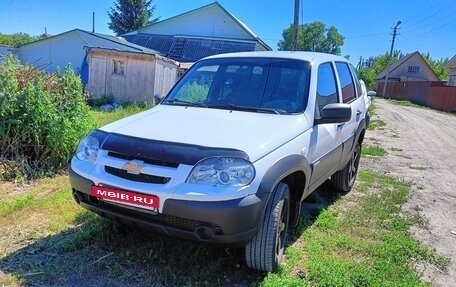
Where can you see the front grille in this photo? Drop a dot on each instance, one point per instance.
(168, 220)
(146, 178)
(145, 160)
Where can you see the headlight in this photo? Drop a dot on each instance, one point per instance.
(222, 171)
(88, 149)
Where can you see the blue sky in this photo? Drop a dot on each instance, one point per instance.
(427, 26)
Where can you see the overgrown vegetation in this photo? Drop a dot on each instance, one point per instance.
(42, 118)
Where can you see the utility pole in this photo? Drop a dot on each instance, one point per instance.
(294, 40)
(360, 63)
(389, 58)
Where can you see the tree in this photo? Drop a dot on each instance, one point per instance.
(314, 37)
(16, 39)
(370, 68)
(129, 15)
(438, 66)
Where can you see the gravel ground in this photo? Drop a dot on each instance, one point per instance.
(421, 147)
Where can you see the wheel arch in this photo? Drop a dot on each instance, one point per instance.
(295, 171)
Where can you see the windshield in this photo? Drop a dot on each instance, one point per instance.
(248, 84)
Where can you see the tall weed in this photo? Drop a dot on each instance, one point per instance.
(42, 118)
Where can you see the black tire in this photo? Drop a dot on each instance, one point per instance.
(265, 251)
(343, 180)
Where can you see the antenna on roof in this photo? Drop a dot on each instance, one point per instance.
(93, 22)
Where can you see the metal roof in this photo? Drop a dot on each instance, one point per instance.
(92, 40)
(190, 48)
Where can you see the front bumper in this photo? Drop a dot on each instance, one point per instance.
(231, 222)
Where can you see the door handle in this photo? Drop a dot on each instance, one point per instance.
(358, 112)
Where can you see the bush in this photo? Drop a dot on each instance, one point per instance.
(42, 118)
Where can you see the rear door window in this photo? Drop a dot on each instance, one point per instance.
(346, 82)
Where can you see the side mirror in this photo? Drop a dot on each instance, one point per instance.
(372, 93)
(158, 98)
(335, 113)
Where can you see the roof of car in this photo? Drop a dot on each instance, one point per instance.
(298, 55)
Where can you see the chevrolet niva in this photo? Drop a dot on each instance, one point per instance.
(230, 153)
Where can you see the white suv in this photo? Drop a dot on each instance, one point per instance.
(231, 152)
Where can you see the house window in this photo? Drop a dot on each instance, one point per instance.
(413, 69)
(119, 67)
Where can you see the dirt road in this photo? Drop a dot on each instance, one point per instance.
(421, 146)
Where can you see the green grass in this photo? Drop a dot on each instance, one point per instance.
(19, 202)
(376, 124)
(373, 107)
(104, 118)
(366, 245)
(373, 151)
(405, 103)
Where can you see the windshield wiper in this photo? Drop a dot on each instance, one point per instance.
(253, 109)
(186, 103)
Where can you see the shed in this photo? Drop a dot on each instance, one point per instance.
(198, 33)
(128, 76)
(114, 61)
(451, 66)
(411, 67)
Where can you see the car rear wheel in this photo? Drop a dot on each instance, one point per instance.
(265, 251)
(344, 180)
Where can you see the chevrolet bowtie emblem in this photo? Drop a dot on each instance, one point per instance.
(134, 166)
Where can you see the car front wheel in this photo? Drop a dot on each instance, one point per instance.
(265, 251)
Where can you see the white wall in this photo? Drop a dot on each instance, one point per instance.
(424, 73)
(57, 51)
(210, 21)
(62, 49)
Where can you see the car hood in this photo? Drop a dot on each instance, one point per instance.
(257, 134)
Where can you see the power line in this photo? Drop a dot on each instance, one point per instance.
(423, 47)
(434, 29)
(366, 35)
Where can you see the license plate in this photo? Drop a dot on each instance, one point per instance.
(117, 195)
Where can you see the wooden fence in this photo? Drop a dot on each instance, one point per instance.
(430, 94)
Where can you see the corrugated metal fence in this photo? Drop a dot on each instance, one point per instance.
(430, 94)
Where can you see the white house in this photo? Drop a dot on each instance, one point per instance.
(411, 67)
(104, 63)
(190, 36)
